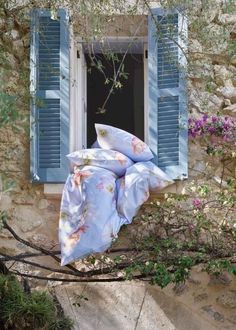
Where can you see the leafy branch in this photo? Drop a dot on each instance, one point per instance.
(147, 260)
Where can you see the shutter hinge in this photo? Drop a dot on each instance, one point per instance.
(78, 54)
(35, 177)
(146, 53)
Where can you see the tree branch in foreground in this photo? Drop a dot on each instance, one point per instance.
(138, 256)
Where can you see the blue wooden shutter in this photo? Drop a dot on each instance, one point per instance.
(168, 133)
(49, 64)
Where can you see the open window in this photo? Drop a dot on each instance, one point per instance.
(115, 86)
(151, 103)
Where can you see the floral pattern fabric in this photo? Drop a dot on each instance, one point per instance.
(89, 219)
(109, 159)
(109, 137)
(96, 203)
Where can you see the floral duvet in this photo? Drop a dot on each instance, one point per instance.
(96, 202)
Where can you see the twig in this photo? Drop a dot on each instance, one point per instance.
(57, 252)
(37, 248)
(35, 264)
(119, 68)
(89, 273)
(29, 255)
(115, 279)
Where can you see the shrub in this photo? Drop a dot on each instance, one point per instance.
(19, 310)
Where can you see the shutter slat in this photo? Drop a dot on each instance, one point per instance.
(167, 55)
(49, 78)
(50, 131)
(49, 116)
(53, 124)
(168, 131)
(52, 144)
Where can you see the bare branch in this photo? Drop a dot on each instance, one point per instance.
(37, 248)
(57, 279)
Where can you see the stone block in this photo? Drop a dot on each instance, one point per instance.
(233, 60)
(204, 101)
(222, 279)
(43, 204)
(230, 110)
(209, 309)
(227, 299)
(43, 240)
(226, 19)
(228, 93)
(232, 318)
(180, 288)
(26, 218)
(5, 202)
(200, 297)
(223, 76)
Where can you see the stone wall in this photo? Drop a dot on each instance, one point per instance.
(212, 89)
(211, 85)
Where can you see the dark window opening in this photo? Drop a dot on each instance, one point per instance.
(125, 107)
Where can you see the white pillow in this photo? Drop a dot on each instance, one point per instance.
(109, 159)
(114, 138)
(95, 145)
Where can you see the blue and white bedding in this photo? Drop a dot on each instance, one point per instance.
(96, 202)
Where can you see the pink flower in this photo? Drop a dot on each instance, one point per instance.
(205, 118)
(121, 159)
(197, 203)
(100, 186)
(191, 226)
(75, 236)
(77, 232)
(212, 126)
(78, 176)
(214, 119)
(138, 146)
(83, 229)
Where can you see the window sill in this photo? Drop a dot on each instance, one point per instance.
(53, 190)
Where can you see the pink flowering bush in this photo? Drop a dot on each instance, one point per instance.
(217, 132)
(198, 225)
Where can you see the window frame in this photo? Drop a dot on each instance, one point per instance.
(78, 99)
(78, 110)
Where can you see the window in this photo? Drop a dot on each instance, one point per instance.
(60, 95)
(125, 107)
